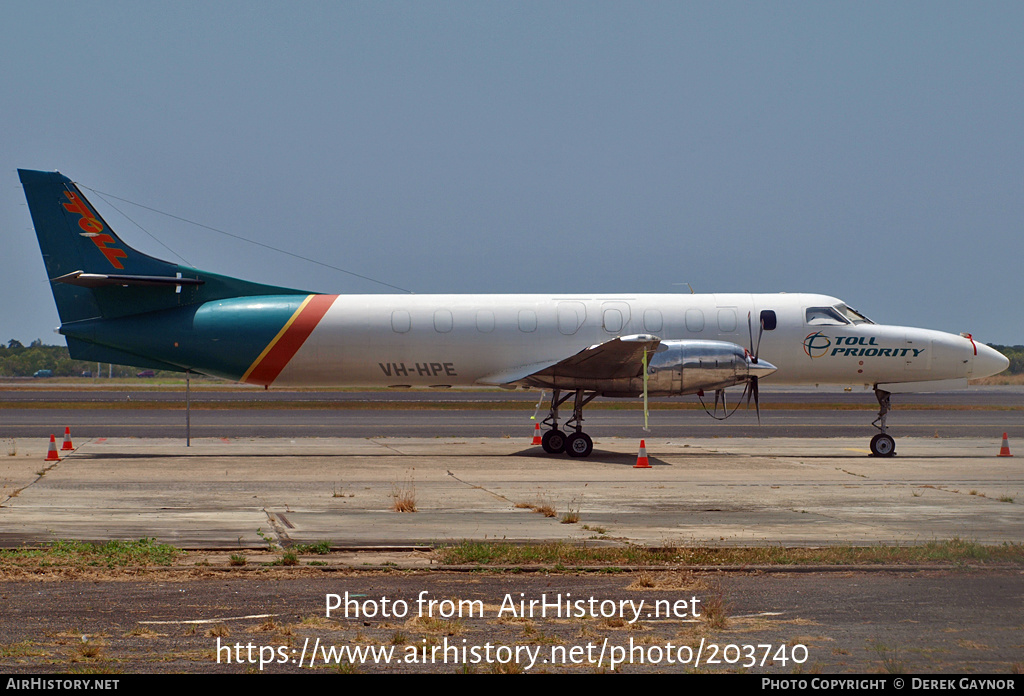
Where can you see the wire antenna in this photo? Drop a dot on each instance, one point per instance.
(234, 236)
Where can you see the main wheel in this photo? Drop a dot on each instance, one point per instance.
(579, 444)
(883, 445)
(553, 442)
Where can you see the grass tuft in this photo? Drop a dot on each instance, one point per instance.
(404, 496)
(288, 558)
(321, 548)
(714, 609)
(88, 650)
(267, 539)
(890, 658)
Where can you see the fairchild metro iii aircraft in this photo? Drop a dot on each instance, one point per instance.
(119, 305)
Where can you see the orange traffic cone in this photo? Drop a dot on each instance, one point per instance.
(1004, 451)
(536, 435)
(641, 458)
(51, 454)
(67, 440)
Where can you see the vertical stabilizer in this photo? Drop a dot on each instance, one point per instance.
(95, 275)
(74, 237)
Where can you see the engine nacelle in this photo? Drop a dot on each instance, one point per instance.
(687, 367)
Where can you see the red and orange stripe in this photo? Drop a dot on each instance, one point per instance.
(288, 340)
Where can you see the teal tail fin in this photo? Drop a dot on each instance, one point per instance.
(95, 275)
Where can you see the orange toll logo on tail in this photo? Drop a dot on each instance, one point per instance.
(94, 230)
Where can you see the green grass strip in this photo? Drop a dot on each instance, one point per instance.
(84, 554)
(954, 552)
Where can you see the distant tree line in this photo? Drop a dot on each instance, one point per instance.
(18, 360)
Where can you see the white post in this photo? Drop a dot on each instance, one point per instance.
(188, 408)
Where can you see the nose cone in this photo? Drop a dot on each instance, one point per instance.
(762, 368)
(988, 362)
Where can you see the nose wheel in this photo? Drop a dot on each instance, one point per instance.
(882, 444)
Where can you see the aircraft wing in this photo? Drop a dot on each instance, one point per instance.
(621, 357)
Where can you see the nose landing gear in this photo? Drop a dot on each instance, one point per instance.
(882, 444)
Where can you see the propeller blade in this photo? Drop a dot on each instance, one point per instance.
(757, 403)
(760, 332)
(751, 392)
(754, 350)
(750, 341)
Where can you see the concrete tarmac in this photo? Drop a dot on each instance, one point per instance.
(239, 492)
(226, 494)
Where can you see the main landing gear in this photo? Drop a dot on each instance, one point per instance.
(882, 444)
(575, 444)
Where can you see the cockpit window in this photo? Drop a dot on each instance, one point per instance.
(853, 315)
(825, 316)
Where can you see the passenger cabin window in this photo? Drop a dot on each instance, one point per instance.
(824, 316)
(442, 321)
(612, 320)
(485, 321)
(694, 320)
(569, 319)
(653, 321)
(400, 321)
(527, 321)
(768, 320)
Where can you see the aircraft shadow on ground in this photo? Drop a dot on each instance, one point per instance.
(597, 457)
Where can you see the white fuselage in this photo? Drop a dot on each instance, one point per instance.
(466, 340)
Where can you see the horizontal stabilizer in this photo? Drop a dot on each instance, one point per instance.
(99, 280)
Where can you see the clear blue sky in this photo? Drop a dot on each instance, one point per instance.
(871, 151)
